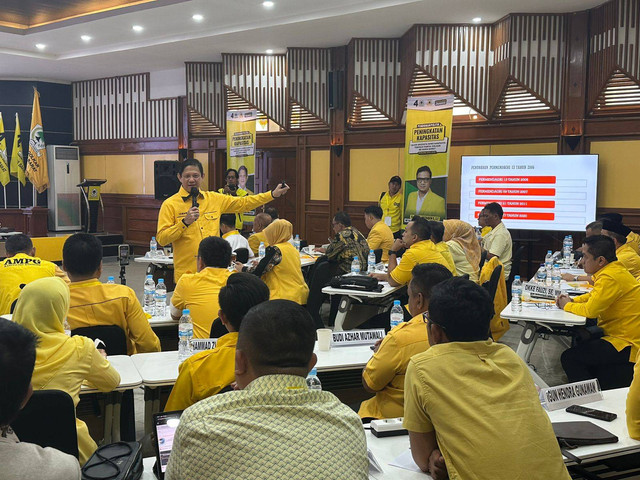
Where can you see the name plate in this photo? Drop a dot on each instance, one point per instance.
(357, 337)
(201, 344)
(541, 291)
(579, 393)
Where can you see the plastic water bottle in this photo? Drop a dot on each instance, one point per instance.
(556, 277)
(541, 275)
(111, 281)
(567, 247)
(153, 247)
(160, 296)
(397, 315)
(261, 250)
(371, 262)
(548, 266)
(516, 294)
(570, 242)
(296, 242)
(185, 335)
(313, 382)
(355, 266)
(149, 295)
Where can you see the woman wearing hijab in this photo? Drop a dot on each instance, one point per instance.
(464, 247)
(62, 362)
(280, 268)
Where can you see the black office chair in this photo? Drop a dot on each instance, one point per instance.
(217, 329)
(242, 255)
(49, 420)
(492, 285)
(113, 337)
(323, 272)
(483, 258)
(515, 268)
(378, 254)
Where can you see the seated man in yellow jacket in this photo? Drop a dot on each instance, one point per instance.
(22, 267)
(625, 253)
(261, 221)
(384, 373)
(607, 355)
(207, 373)
(437, 234)
(633, 239)
(95, 303)
(420, 249)
(380, 235)
(199, 291)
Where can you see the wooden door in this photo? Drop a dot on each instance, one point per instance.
(277, 166)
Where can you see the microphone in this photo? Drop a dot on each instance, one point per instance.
(194, 197)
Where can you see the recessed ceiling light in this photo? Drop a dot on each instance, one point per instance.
(269, 51)
(268, 4)
(85, 38)
(476, 20)
(197, 17)
(138, 28)
(40, 46)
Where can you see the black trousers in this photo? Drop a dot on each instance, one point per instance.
(598, 359)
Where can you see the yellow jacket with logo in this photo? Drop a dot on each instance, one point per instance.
(381, 236)
(628, 257)
(20, 270)
(186, 239)
(392, 208)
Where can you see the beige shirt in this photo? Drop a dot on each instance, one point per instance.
(498, 242)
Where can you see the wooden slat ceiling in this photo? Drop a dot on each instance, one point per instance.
(23, 14)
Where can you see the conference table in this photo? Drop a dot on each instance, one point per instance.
(129, 380)
(396, 449)
(383, 299)
(160, 369)
(164, 261)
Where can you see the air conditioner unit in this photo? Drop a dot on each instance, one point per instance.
(63, 194)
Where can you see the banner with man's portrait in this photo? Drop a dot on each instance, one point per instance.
(426, 165)
(241, 151)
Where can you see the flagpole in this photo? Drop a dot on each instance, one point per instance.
(34, 195)
(19, 201)
(4, 191)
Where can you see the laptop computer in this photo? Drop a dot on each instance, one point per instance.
(164, 426)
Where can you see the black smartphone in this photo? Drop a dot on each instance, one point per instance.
(592, 413)
(283, 184)
(123, 254)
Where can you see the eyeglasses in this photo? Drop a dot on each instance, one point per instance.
(427, 320)
(423, 180)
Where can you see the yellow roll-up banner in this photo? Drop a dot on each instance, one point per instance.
(241, 153)
(426, 164)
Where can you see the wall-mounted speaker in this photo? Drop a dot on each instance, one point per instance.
(165, 178)
(336, 89)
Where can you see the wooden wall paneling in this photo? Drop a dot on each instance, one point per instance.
(120, 108)
(337, 167)
(134, 216)
(375, 76)
(307, 74)
(408, 62)
(206, 97)
(260, 80)
(457, 57)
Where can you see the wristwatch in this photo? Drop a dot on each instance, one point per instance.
(392, 252)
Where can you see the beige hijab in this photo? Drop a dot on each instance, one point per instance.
(464, 234)
(278, 231)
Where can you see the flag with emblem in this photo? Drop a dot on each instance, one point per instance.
(37, 171)
(4, 164)
(17, 160)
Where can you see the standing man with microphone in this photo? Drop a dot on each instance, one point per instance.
(185, 226)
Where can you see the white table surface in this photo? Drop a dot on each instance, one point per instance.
(161, 368)
(551, 316)
(165, 321)
(129, 376)
(386, 290)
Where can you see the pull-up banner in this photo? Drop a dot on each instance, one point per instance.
(241, 154)
(426, 165)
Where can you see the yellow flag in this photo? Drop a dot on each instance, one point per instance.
(37, 171)
(17, 161)
(4, 166)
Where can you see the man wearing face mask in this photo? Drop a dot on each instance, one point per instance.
(186, 219)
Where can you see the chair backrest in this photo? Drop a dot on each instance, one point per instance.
(378, 254)
(483, 258)
(515, 268)
(242, 255)
(49, 420)
(323, 272)
(112, 336)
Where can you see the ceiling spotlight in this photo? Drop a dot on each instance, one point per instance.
(476, 20)
(197, 17)
(40, 46)
(269, 51)
(138, 28)
(268, 4)
(85, 38)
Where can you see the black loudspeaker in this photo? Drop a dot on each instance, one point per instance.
(335, 82)
(165, 178)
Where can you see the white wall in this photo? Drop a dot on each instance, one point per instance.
(168, 83)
